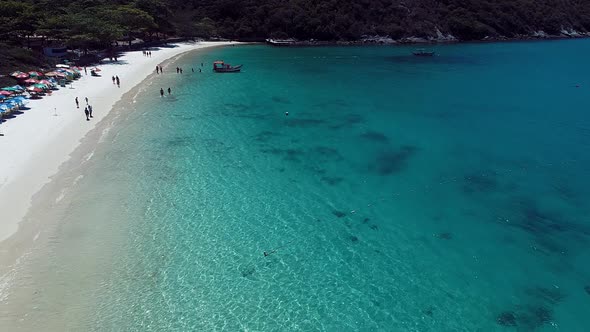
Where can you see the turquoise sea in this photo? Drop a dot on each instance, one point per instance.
(400, 193)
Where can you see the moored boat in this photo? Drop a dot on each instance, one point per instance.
(222, 67)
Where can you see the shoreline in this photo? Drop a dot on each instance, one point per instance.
(37, 142)
(416, 41)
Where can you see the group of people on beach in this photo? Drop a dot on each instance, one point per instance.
(87, 109)
(116, 81)
(162, 92)
(147, 53)
(159, 70)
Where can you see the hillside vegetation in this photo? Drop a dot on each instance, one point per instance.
(93, 24)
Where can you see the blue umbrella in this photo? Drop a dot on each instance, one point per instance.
(4, 108)
(2, 97)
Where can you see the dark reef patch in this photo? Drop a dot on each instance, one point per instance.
(248, 271)
(374, 227)
(393, 161)
(428, 311)
(374, 136)
(366, 220)
(328, 153)
(333, 181)
(347, 121)
(304, 123)
(444, 236)
(587, 289)
(485, 182)
(265, 136)
(527, 318)
(354, 239)
(338, 214)
(288, 154)
(237, 107)
(506, 318)
(280, 100)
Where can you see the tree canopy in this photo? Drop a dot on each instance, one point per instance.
(97, 23)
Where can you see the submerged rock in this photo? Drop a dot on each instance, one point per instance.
(338, 214)
(506, 318)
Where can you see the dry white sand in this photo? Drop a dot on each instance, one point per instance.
(37, 142)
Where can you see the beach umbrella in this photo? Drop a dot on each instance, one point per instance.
(96, 69)
(5, 93)
(35, 73)
(16, 73)
(41, 86)
(61, 66)
(34, 89)
(46, 82)
(2, 97)
(31, 81)
(51, 74)
(4, 108)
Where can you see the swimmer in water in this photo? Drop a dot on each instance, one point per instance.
(286, 113)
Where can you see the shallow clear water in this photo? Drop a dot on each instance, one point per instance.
(399, 194)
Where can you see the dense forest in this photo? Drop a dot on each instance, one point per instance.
(95, 24)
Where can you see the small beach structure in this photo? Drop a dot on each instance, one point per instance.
(221, 67)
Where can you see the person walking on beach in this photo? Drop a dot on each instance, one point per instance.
(169, 91)
(87, 113)
(90, 110)
(118, 82)
(161, 92)
(113, 80)
(77, 103)
(86, 98)
(85, 72)
(157, 70)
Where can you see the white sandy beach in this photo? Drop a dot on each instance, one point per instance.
(37, 142)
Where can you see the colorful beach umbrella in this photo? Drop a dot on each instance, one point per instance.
(35, 73)
(31, 81)
(60, 65)
(51, 74)
(41, 86)
(34, 89)
(5, 93)
(15, 73)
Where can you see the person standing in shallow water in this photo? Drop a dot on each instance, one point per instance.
(157, 70)
(161, 92)
(169, 91)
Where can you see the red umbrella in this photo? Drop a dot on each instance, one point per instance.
(21, 76)
(5, 93)
(31, 81)
(35, 73)
(34, 89)
(96, 69)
